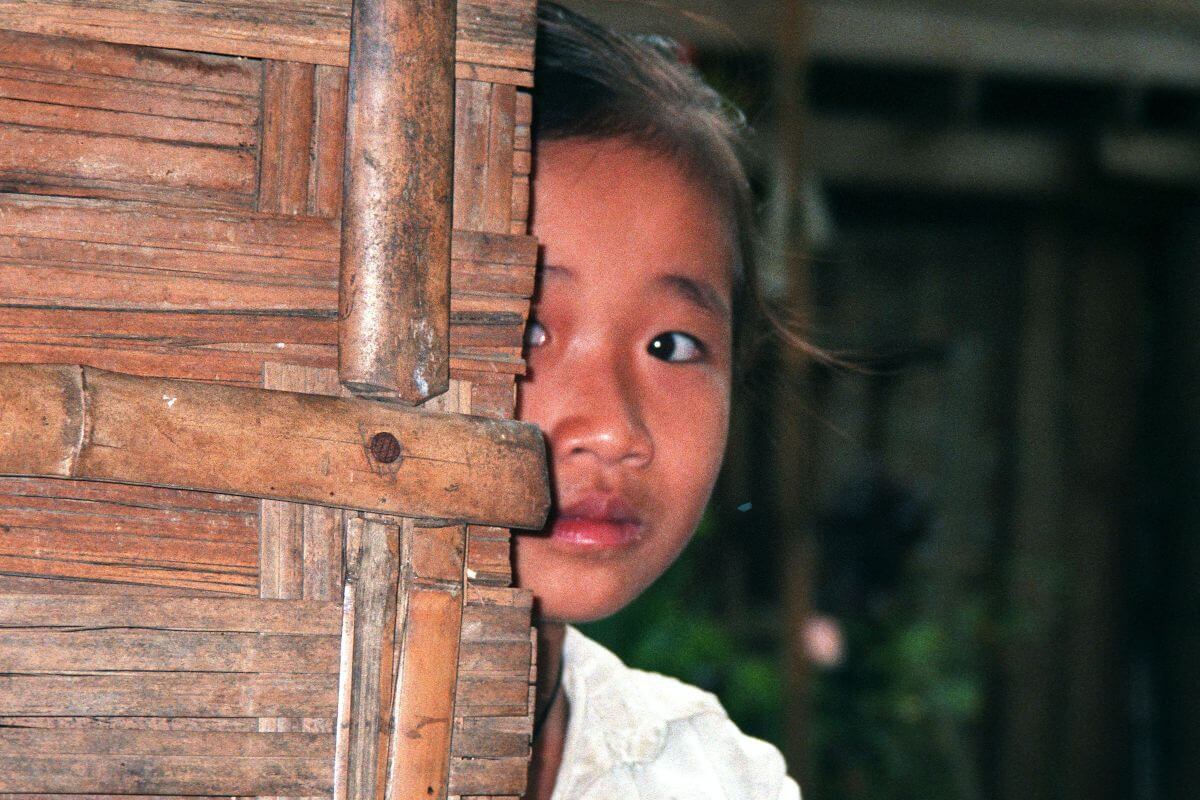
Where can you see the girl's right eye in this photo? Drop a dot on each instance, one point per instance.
(535, 333)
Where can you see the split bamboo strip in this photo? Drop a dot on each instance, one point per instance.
(238, 744)
(230, 614)
(226, 775)
(138, 649)
(372, 588)
(168, 694)
(429, 623)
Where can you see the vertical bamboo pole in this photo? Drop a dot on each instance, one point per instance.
(394, 309)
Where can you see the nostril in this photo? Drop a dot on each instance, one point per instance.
(628, 447)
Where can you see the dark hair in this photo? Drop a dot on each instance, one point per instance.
(592, 82)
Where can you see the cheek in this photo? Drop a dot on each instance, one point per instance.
(693, 425)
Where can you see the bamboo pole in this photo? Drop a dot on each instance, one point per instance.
(394, 306)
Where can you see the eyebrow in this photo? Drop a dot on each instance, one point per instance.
(699, 293)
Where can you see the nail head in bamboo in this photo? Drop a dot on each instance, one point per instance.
(394, 320)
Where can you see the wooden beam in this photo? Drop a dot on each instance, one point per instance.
(394, 300)
(79, 422)
(1168, 160)
(1025, 44)
(848, 150)
(1135, 44)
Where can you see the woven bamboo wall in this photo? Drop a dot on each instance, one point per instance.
(171, 178)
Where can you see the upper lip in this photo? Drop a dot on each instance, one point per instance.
(601, 506)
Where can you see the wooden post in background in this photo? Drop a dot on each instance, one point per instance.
(1065, 724)
(1036, 592)
(394, 307)
(795, 435)
(1176, 462)
(1108, 323)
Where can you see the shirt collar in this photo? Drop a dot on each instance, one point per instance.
(619, 716)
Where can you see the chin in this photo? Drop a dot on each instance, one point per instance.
(573, 590)
(578, 608)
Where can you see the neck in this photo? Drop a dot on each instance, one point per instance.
(551, 707)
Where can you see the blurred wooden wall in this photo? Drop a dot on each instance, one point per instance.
(1011, 236)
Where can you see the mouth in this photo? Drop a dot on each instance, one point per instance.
(597, 522)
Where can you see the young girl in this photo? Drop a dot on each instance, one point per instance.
(643, 212)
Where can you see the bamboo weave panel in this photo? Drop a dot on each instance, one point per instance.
(95, 659)
(244, 139)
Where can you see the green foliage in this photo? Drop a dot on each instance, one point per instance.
(896, 721)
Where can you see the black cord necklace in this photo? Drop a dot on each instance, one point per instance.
(540, 720)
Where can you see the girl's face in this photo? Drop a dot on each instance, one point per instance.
(629, 356)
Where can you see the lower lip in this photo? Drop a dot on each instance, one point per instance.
(594, 533)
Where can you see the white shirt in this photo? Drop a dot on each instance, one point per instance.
(634, 734)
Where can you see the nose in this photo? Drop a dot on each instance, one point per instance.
(603, 419)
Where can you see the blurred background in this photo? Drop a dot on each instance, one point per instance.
(966, 566)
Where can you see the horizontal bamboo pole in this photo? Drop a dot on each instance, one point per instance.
(79, 422)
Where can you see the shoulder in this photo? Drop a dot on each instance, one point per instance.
(640, 730)
(654, 695)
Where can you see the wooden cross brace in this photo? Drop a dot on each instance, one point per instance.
(86, 423)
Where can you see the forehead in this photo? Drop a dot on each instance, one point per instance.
(629, 212)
